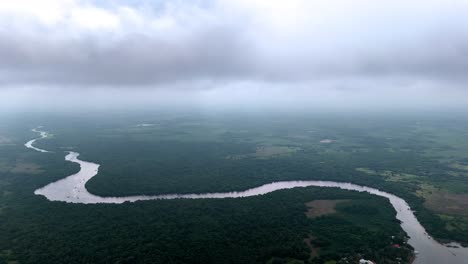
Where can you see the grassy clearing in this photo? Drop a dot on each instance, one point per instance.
(265, 152)
(318, 208)
(392, 176)
(457, 174)
(401, 177)
(269, 151)
(26, 167)
(367, 171)
(447, 199)
(459, 166)
(442, 201)
(426, 190)
(448, 203)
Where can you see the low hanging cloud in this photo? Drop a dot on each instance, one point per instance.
(113, 43)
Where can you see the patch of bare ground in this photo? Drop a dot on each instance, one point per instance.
(448, 203)
(444, 202)
(26, 167)
(273, 151)
(317, 208)
(313, 250)
(20, 167)
(264, 152)
(322, 207)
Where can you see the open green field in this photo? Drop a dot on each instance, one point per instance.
(421, 159)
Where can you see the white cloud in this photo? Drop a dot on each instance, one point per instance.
(93, 18)
(48, 12)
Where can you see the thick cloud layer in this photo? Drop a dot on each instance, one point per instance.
(295, 53)
(80, 43)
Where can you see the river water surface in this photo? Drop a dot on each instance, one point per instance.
(72, 190)
(42, 135)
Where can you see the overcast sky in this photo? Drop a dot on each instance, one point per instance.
(243, 52)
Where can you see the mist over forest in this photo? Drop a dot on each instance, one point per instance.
(233, 131)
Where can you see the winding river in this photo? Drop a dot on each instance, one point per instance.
(42, 135)
(72, 190)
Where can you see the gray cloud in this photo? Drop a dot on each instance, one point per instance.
(134, 60)
(237, 46)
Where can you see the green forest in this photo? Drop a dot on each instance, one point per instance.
(418, 159)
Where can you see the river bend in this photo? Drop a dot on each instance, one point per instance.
(72, 189)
